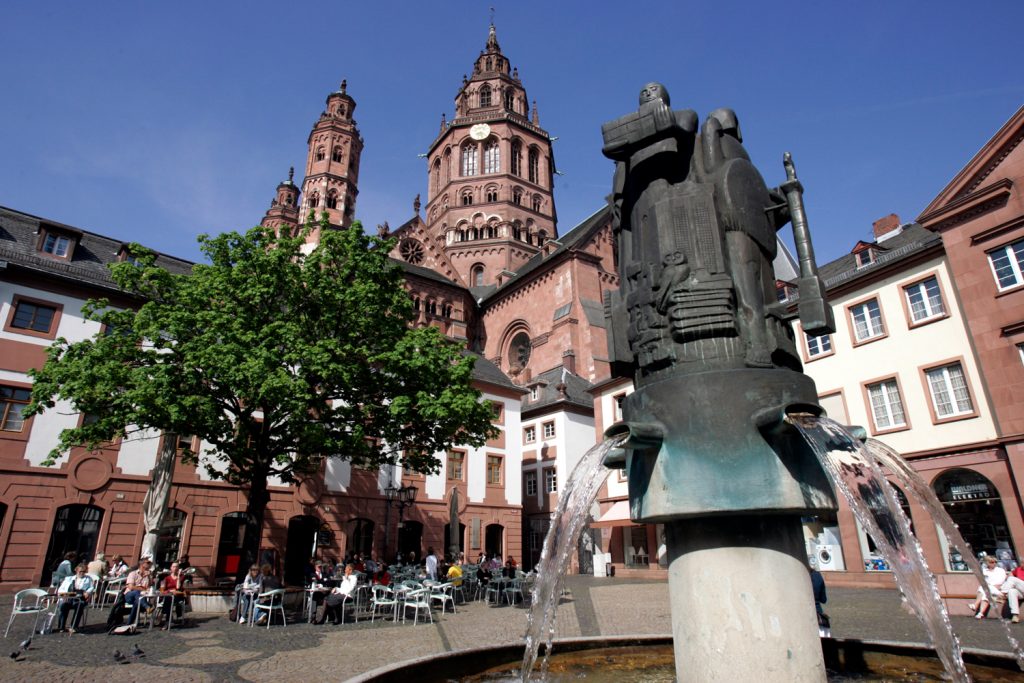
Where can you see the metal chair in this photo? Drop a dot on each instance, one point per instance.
(110, 590)
(512, 589)
(383, 597)
(275, 600)
(34, 601)
(417, 600)
(444, 593)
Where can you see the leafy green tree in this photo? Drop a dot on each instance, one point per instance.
(275, 358)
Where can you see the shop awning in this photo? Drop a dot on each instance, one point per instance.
(616, 515)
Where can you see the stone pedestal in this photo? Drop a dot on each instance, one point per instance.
(742, 606)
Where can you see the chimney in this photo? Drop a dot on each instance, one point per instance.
(569, 361)
(886, 227)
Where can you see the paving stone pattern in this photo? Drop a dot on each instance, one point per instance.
(212, 649)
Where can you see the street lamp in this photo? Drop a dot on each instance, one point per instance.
(404, 497)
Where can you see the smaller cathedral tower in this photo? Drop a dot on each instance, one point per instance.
(332, 171)
(490, 205)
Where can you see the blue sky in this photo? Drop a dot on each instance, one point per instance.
(155, 122)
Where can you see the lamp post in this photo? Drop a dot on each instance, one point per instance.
(404, 496)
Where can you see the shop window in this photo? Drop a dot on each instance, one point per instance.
(867, 321)
(975, 506)
(886, 405)
(12, 403)
(950, 396)
(819, 345)
(549, 430)
(494, 470)
(530, 483)
(873, 560)
(456, 460)
(550, 480)
(1007, 265)
(925, 300)
(530, 434)
(823, 545)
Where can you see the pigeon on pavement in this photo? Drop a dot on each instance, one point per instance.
(137, 652)
(26, 644)
(119, 657)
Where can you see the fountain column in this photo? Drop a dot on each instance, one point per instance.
(739, 591)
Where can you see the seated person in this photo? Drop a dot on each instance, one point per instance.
(75, 593)
(65, 569)
(173, 588)
(454, 575)
(268, 582)
(382, 576)
(338, 595)
(139, 581)
(1013, 588)
(995, 577)
(511, 567)
(118, 567)
(247, 591)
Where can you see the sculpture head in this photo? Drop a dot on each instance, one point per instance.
(654, 91)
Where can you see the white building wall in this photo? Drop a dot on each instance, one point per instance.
(903, 354)
(72, 325)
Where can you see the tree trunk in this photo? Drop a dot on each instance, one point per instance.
(255, 510)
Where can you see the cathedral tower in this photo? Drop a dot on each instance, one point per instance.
(332, 170)
(489, 197)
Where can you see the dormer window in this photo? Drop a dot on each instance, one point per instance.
(865, 257)
(126, 255)
(56, 242)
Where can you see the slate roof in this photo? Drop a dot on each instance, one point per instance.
(486, 371)
(912, 239)
(425, 273)
(576, 389)
(19, 235)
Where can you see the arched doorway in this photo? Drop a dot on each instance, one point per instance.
(494, 537)
(168, 541)
(76, 528)
(229, 545)
(448, 538)
(410, 540)
(360, 536)
(300, 546)
(974, 505)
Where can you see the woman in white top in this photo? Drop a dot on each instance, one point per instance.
(995, 577)
(338, 596)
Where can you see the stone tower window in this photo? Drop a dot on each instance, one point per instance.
(492, 194)
(517, 196)
(510, 100)
(319, 156)
(485, 93)
(519, 350)
(536, 202)
(411, 250)
(467, 198)
(517, 158)
(476, 276)
(332, 200)
(534, 165)
(492, 157)
(469, 160)
(314, 200)
(336, 155)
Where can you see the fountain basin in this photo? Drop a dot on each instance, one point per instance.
(650, 658)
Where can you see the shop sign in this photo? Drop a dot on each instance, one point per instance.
(975, 491)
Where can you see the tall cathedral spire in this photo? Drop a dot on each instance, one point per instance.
(489, 195)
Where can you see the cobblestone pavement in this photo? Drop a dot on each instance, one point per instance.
(213, 649)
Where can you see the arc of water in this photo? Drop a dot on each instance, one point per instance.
(567, 523)
(858, 476)
(924, 495)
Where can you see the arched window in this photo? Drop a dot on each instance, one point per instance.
(336, 154)
(492, 194)
(509, 100)
(435, 176)
(416, 304)
(469, 160)
(485, 95)
(360, 536)
(446, 311)
(492, 157)
(332, 200)
(467, 198)
(432, 308)
(517, 158)
(536, 202)
(447, 165)
(534, 165)
(490, 232)
(519, 350)
(542, 238)
(517, 231)
(314, 200)
(476, 277)
(517, 196)
(319, 154)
